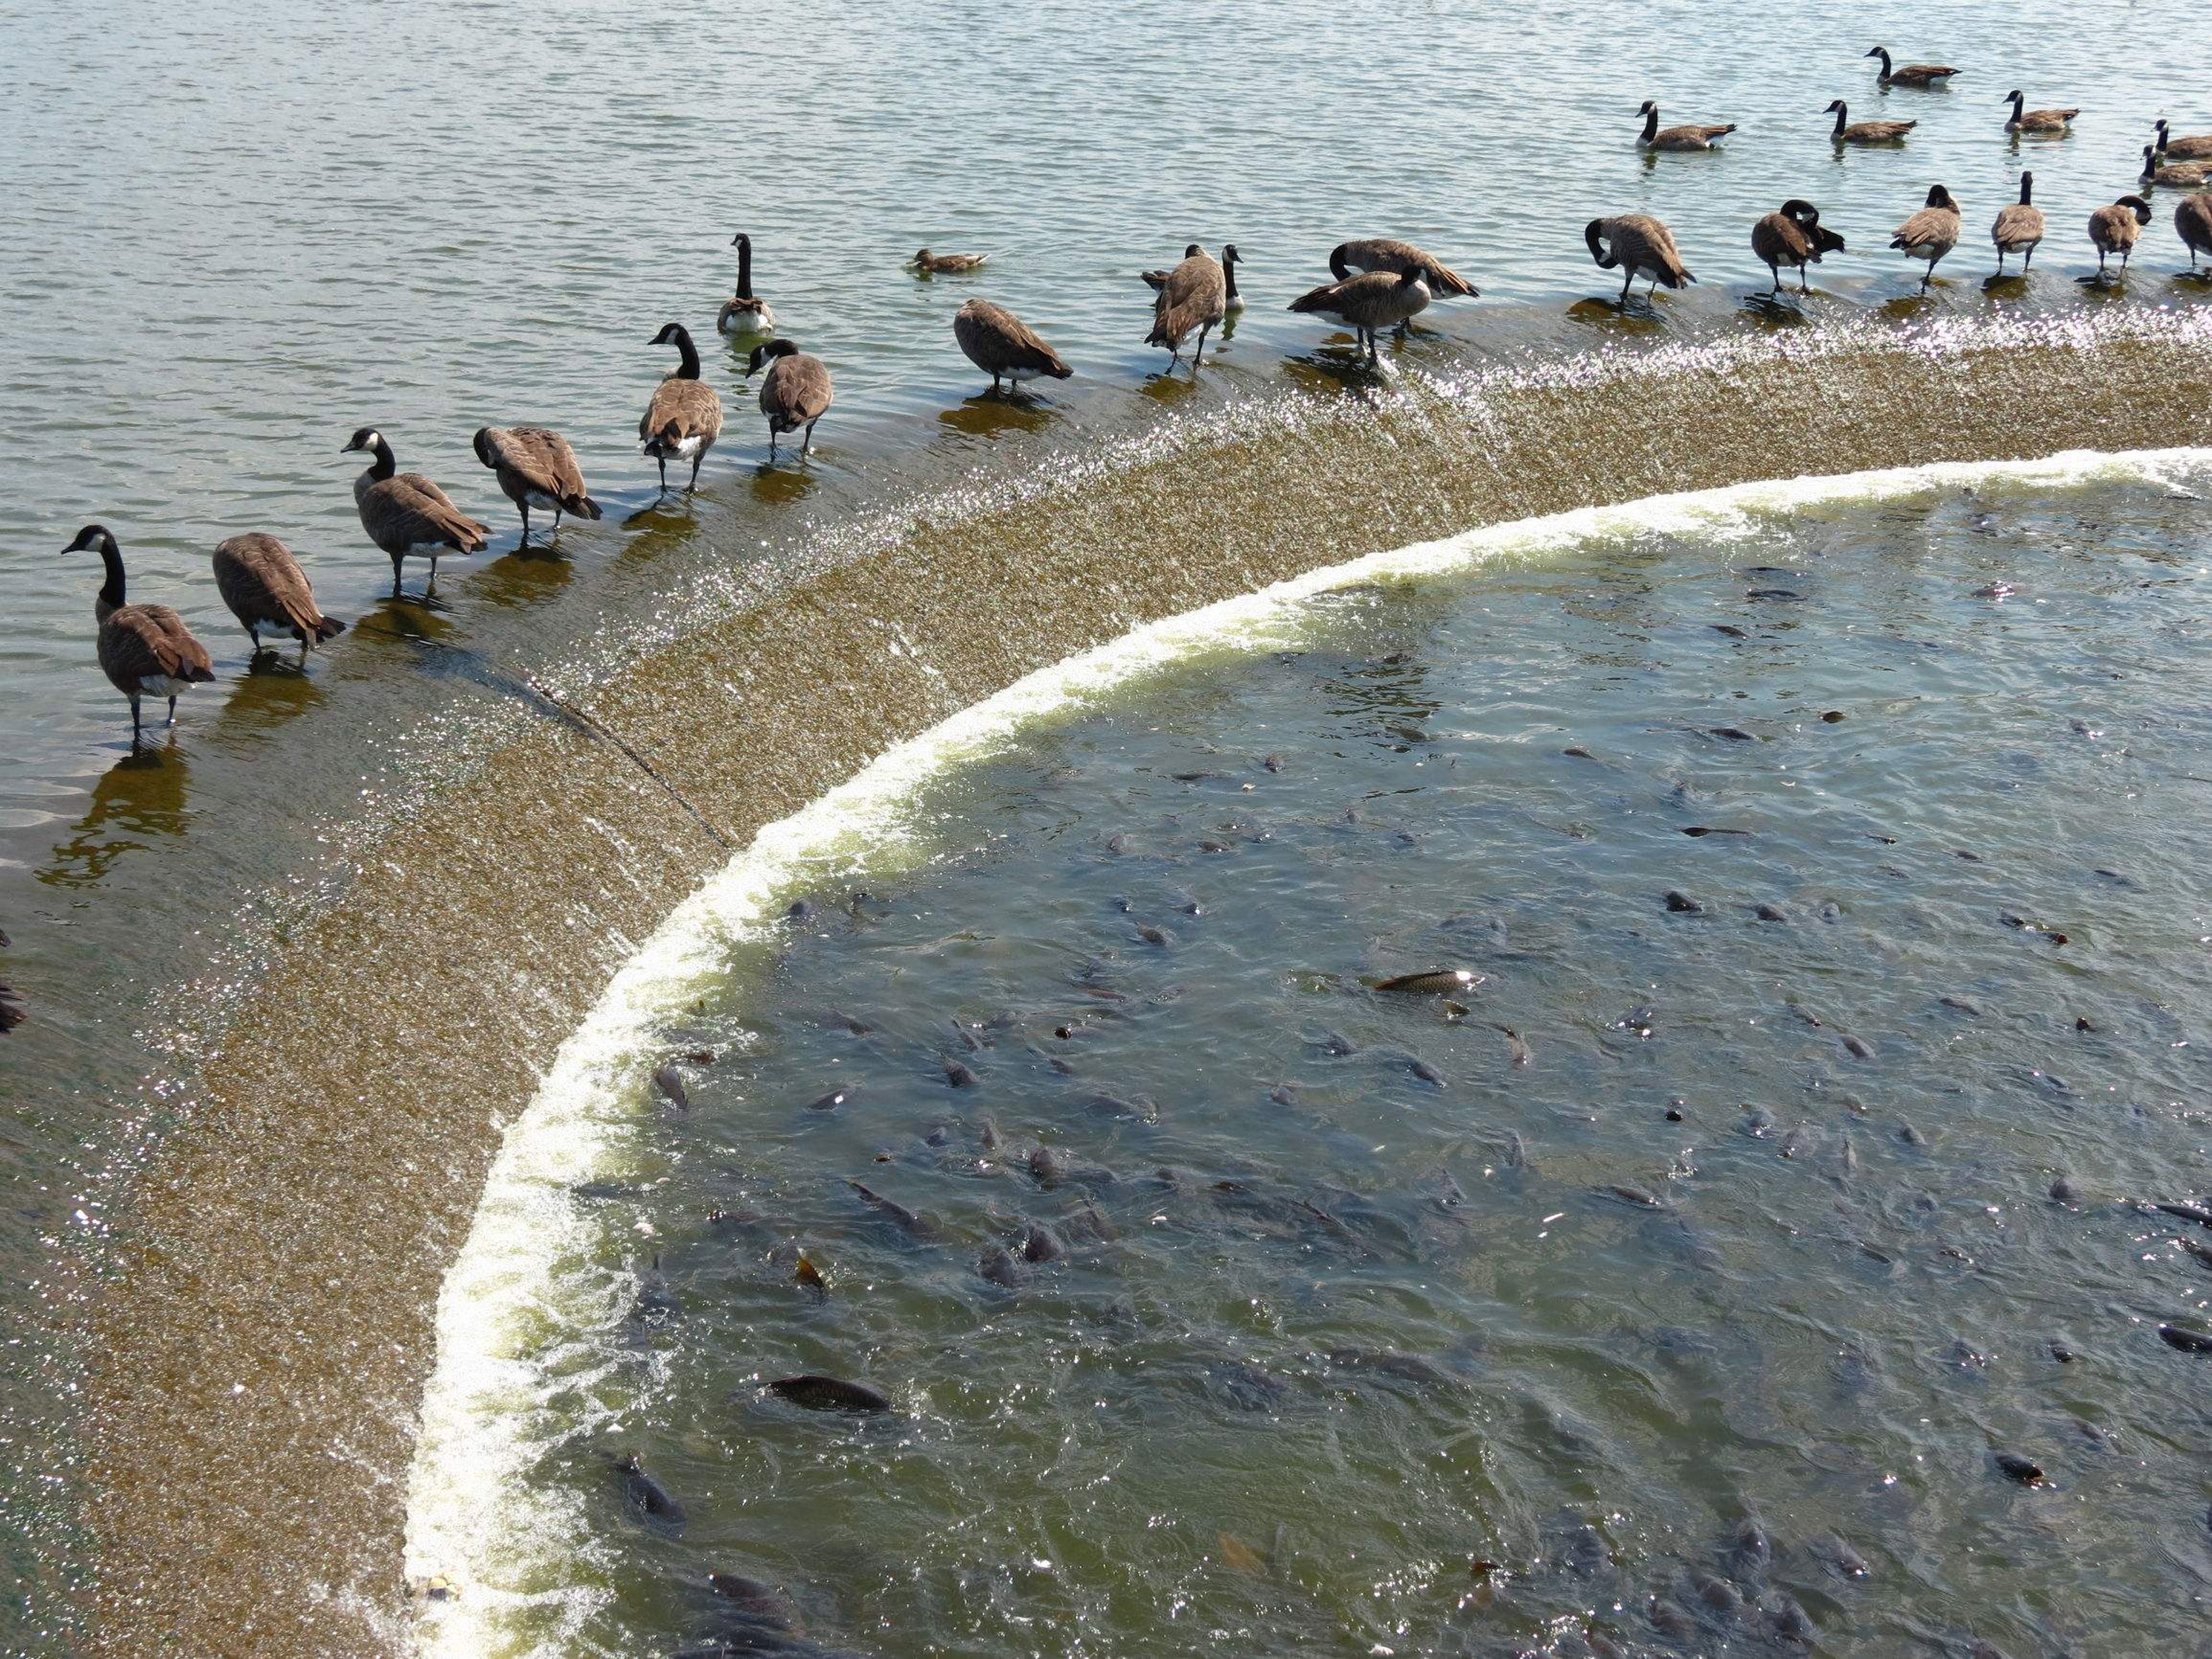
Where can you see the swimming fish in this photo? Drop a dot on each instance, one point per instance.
(670, 1082)
(830, 1393)
(647, 1498)
(1434, 982)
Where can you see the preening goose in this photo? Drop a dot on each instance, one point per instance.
(2115, 229)
(1157, 280)
(407, 515)
(1676, 139)
(744, 312)
(2180, 175)
(1194, 295)
(1865, 132)
(1912, 74)
(1793, 235)
(796, 393)
(1388, 253)
(2046, 123)
(2019, 227)
(1931, 232)
(145, 650)
(264, 586)
(2193, 222)
(2195, 148)
(685, 417)
(1002, 345)
(535, 468)
(1640, 246)
(946, 265)
(1370, 302)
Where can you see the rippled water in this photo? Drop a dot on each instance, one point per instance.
(1834, 883)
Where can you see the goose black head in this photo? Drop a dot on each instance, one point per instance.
(741, 240)
(483, 445)
(764, 354)
(673, 334)
(2026, 189)
(1230, 256)
(1192, 250)
(1940, 197)
(2136, 205)
(1876, 51)
(366, 438)
(2150, 157)
(93, 539)
(2015, 96)
(1801, 210)
(1649, 107)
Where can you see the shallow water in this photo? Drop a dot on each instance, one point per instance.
(1366, 1337)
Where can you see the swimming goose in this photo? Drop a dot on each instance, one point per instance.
(2196, 148)
(685, 417)
(1389, 253)
(1793, 235)
(1865, 132)
(2115, 228)
(797, 391)
(2181, 175)
(1194, 295)
(2019, 227)
(945, 264)
(407, 515)
(744, 312)
(1001, 344)
(2193, 222)
(2046, 122)
(263, 585)
(1931, 232)
(535, 468)
(1370, 302)
(1912, 74)
(144, 649)
(1676, 139)
(1640, 244)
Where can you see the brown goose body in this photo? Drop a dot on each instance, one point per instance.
(1158, 279)
(265, 587)
(2193, 222)
(1931, 232)
(1194, 296)
(2045, 123)
(683, 416)
(1655, 137)
(407, 515)
(145, 650)
(2116, 229)
(1639, 245)
(744, 312)
(2019, 226)
(2178, 175)
(2194, 146)
(796, 391)
(1912, 74)
(947, 265)
(1002, 345)
(1389, 253)
(1847, 131)
(1793, 235)
(535, 468)
(1370, 302)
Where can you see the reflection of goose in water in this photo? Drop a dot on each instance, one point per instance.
(139, 798)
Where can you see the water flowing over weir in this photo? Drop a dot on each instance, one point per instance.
(260, 1339)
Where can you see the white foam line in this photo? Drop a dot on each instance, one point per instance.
(513, 1557)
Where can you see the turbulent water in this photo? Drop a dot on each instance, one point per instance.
(1828, 859)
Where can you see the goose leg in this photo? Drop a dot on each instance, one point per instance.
(395, 579)
(1804, 281)
(1627, 282)
(663, 460)
(173, 709)
(693, 486)
(806, 446)
(2000, 262)
(557, 521)
(1198, 355)
(2026, 261)
(134, 722)
(433, 588)
(253, 633)
(525, 525)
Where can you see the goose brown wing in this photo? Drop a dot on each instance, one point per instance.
(1389, 253)
(688, 406)
(797, 389)
(262, 582)
(1927, 227)
(539, 458)
(410, 511)
(140, 642)
(2020, 222)
(997, 336)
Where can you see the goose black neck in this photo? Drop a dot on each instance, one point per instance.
(1650, 123)
(1228, 276)
(382, 465)
(1337, 267)
(688, 369)
(2026, 189)
(745, 267)
(1591, 233)
(1882, 52)
(111, 590)
(1842, 110)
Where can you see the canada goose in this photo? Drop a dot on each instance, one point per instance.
(1676, 139)
(744, 312)
(1641, 245)
(263, 585)
(1865, 132)
(2197, 147)
(685, 417)
(2046, 122)
(406, 514)
(945, 264)
(1194, 295)
(1389, 253)
(1912, 74)
(2019, 227)
(1370, 302)
(1793, 235)
(2115, 228)
(2181, 175)
(797, 391)
(2193, 222)
(535, 468)
(1931, 232)
(143, 648)
(1001, 344)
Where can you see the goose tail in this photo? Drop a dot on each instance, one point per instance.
(582, 505)
(327, 628)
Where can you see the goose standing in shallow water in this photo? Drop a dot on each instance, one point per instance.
(1389, 253)
(2196, 147)
(1865, 132)
(1676, 139)
(1912, 74)
(2115, 229)
(1001, 344)
(1793, 235)
(145, 650)
(1370, 302)
(797, 391)
(744, 312)
(1641, 245)
(1931, 232)
(407, 515)
(2180, 175)
(2041, 123)
(264, 586)
(2193, 222)
(2019, 227)
(1194, 296)
(685, 417)
(535, 468)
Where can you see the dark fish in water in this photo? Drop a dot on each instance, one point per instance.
(999, 1267)
(2016, 1467)
(1335, 1042)
(1719, 1594)
(1089, 1222)
(1635, 1196)
(755, 1599)
(1699, 830)
(830, 1393)
(1911, 1136)
(1144, 1111)
(2187, 1342)
(1041, 1243)
(1517, 1151)
(647, 1499)
(2195, 1213)
(1427, 1074)
(1670, 1621)
(1045, 1167)
(913, 1221)
(959, 1075)
(1758, 1122)
(1749, 1549)
(2201, 1253)
(1245, 1387)
(2062, 1354)
(2065, 1192)
(1406, 1367)
(1772, 913)
(1964, 1004)
(1434, 982)
(810, 1276)
(1152, 935)
(602, 1189)
(1273, 762)
(1117, 843)
(1732, 733)
(831, 1101)
(1681, 903)
(1282, 1095)
(1771, 593)
(1839, 1557)
(670, 1082)
(1831, 715)
(1577, 752)
(1857, 1047)
(1790, 1621)
(1450, 1195)
(1518, 1050)
(1733, 632)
